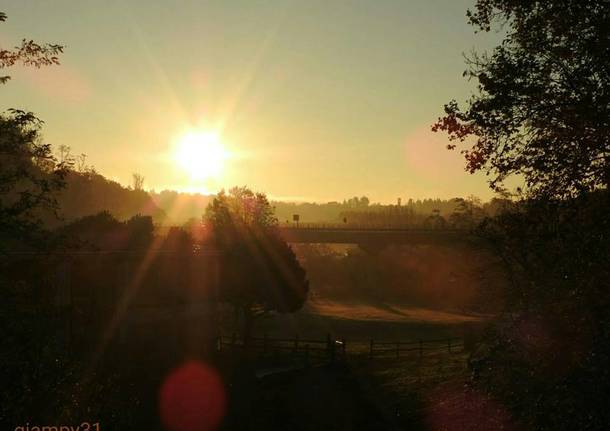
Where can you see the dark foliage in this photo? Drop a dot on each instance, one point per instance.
(28, 53)
(543, 106)
(542, 112)
(30, 178)
(547, 358)
(104, 232)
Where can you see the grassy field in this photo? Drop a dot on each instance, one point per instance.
(410, 392)
(405, 389)
(361, 322)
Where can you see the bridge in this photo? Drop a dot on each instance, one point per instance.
(371, 238)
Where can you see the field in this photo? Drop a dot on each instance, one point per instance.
(358, 392)
(361, 322)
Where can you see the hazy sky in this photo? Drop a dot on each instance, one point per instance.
(315, 100)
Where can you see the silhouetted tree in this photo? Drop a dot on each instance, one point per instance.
(30, 176)
(553, 344)
(435, 221)
(544, 96)
(65, 153)
(81, 164)
(178, 240)
(468, 213)
(259, 271)
(542, 112)
(32, 361)
(100, 231)
(29, 173)
(138, 181)
(140, 232)
(104, 232)
(29, 53)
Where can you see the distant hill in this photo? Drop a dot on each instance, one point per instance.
(89, 193)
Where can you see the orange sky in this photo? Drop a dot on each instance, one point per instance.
(312, 100)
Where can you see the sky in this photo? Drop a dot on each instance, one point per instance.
(314, 100)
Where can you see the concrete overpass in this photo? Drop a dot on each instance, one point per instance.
(371, 238)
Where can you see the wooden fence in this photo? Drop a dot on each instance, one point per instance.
(396, 348)
(297, 346)
(338, 349)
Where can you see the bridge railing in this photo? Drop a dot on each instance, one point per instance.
(364, 227)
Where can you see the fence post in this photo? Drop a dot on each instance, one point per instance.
(371, 349)
(397, 349)
(421, 348)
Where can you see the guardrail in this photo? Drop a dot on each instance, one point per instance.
(364, 227)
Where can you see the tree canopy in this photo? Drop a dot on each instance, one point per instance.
(542, 110)
(259, 270)
(29, 177)
(29, 173)
(28, 53)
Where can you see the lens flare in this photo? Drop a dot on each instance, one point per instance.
(192, 398)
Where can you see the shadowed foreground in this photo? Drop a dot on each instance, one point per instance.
(327, 397)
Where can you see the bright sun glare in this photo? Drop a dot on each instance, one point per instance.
(201, 154)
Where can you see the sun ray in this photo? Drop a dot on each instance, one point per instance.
(251, 71)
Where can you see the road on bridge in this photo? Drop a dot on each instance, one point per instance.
(372, 236)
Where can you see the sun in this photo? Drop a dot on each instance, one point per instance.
(201, 155)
